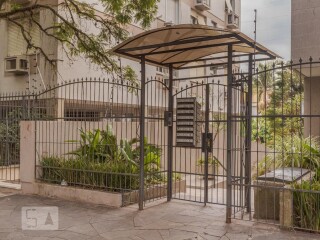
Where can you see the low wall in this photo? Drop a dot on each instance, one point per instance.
(73, 194)
(111, 199)
(30, 185)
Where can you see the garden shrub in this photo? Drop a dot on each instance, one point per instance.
(100, 162)
(307, 205)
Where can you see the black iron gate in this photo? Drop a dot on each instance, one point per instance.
(200, 143)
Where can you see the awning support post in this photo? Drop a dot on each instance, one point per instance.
(248, 137)
(229, 136)
(170, 136)
(142, 133)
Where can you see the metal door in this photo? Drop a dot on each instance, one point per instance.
(200, 166)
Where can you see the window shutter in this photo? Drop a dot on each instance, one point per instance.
(35, 32)
(16, 43)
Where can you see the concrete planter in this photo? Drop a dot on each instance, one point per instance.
(273, 200)
(112, 199)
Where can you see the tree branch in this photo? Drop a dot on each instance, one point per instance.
(71, 31)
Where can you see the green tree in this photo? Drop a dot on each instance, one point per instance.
(279, 91)
(72, 24)
(274, 84)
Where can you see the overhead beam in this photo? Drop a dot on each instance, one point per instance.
(175, 43)
(194, 48)
(222, 64)
(215, 58)
(253, 45)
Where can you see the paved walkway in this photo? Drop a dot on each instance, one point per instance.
(175, 220)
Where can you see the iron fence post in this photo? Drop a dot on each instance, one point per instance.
(170, 136)
(229, 136)
(248, 138)
(142, 125)
(206, 152)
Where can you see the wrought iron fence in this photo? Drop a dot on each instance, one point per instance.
(285, 146)
(88, 136)
(15, 107)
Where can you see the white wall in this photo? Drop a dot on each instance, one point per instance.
(177, 11)
(305, 34)
(10, 82)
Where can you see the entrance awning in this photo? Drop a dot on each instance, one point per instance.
(180, 44)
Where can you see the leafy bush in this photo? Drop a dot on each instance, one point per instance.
(97, 145)
(261, 130)
(114, 177)
(10, 133)
(292, 151)
(307, 205)
(101, 162)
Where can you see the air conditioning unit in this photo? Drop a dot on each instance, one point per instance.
(168, 24)
(232, 21)
(17, 65)
(202, 5)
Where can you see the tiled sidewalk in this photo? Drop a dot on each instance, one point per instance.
(175, 220)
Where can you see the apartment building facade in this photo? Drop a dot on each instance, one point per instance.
(28, 71)
(305, 45)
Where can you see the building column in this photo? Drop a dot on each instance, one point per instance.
(312, 107)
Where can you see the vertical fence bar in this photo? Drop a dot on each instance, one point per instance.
(248, 139)
(206, 149)
(229, 135)
(142, 125)
(170, 135)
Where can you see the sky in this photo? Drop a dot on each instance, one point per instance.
(273, 24)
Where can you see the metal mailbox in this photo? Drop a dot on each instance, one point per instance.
(188, 128)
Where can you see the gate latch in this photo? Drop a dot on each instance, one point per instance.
(168, 119)
(207, 142)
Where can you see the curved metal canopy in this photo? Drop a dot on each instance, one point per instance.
(181, 44)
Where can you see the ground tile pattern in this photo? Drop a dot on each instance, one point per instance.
(164, 221)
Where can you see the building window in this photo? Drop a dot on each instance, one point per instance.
(162, 70)
(194, 20)
(17, 45)
(78, 115)
(214, 24)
